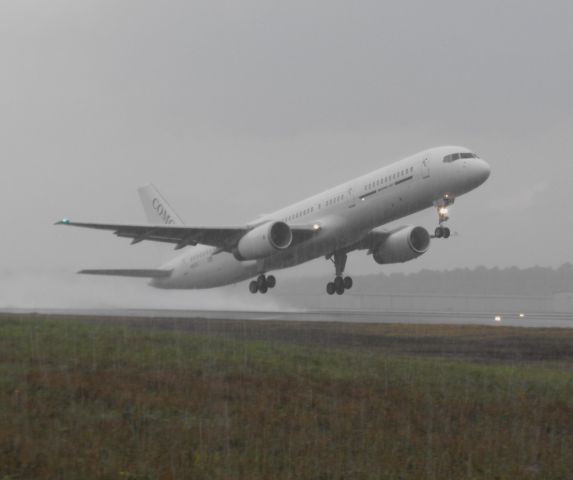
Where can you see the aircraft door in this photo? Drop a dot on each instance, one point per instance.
(351, 199)
(426, 166)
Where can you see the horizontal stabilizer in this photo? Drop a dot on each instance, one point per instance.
(141, 273)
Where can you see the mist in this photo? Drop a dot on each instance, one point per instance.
(238, 109)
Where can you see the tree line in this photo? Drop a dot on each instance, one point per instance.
(536, 281)
(477, 281)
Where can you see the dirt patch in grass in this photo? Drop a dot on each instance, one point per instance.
(464, 342)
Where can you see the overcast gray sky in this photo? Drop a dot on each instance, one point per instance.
(238, 108)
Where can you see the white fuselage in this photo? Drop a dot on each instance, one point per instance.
(345, 214)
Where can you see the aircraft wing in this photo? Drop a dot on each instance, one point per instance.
(224, 238)
(181, 236)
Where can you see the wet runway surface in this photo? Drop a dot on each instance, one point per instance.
(519, 319)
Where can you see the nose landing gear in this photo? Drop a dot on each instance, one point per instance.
(262, 284)
(340, 283)
(442, 205)
(442, 232)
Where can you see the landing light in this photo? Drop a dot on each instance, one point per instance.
(443, 210)
(316, 227)
(497, 318)
(522, 315)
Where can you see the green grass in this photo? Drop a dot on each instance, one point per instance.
(82, 399)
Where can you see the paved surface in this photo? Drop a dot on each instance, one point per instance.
(529, 319)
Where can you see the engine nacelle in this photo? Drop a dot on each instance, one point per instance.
(403, 245)
(263, 241)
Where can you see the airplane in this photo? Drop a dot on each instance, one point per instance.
(331, 224)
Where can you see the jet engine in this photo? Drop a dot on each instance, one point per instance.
(263, 241)
(403, 245)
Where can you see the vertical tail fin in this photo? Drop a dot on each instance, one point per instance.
(157, 210)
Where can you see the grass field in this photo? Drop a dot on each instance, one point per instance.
(175, 399)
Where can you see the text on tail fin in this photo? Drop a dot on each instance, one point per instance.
(157, 209)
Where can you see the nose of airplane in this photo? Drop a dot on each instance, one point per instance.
(480, 171)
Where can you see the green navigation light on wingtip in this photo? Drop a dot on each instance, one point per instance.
(65, 221)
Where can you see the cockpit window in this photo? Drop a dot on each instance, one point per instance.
(452, 157)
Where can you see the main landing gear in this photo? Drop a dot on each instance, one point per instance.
(340, 284)
(262, 284)
(442, 205)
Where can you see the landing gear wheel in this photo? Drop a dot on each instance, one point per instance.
(339, 283)
(261, 281)
(442, 232)
(443, 215)
(262, 284)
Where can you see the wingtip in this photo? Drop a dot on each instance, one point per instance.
(63, 221)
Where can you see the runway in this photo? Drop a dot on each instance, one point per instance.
(515, 319)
